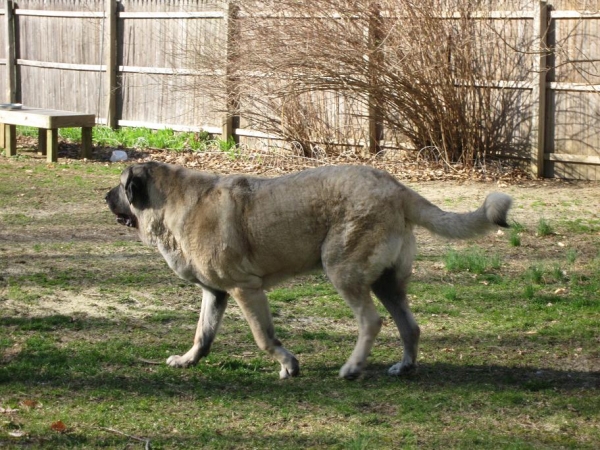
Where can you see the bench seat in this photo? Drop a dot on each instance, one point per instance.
(47, 121)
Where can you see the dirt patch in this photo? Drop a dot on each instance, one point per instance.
(88, 303)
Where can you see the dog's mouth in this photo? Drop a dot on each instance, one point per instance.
(127, 220)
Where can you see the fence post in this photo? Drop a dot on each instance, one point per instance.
(11, 74)
(231, 120)
(375, 62)
(538, 94)
(110, 57)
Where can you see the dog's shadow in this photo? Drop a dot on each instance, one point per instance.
(46, 361)
(437, 375)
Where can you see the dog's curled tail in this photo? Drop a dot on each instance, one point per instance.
(492, 213)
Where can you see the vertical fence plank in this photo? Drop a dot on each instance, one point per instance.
(110, 58)
(9, 36)
(11, 93)
(538, 106)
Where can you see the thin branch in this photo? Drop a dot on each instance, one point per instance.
(149, 361)
(135, 438)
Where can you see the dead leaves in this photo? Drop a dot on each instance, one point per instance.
(17, 433)
(30, 404)
(274, 162)
(14, 426)
(11, 423)
(8, 410)
(58, 426)
(14, 423)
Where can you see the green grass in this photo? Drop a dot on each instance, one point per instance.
(571, 255)
(529, 291)
(544, 228)
(473, 260)
(535, 274)
(142, 138)
(539, 274)
(509, 342)
(581, 225)
(514, 239)
(517, 229)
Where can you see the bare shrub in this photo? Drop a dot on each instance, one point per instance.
(326, 71)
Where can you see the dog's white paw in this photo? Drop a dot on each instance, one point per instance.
(290, 369)
(179, 361)
(402, 369)
(350, 371)
(284, 373)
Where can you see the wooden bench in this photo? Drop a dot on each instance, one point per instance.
(47, 121)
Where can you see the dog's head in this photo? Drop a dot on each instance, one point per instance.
(131, 196)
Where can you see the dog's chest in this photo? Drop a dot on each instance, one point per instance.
(177, 263)
(174, 255)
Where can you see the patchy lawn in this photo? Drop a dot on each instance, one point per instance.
(510, 350)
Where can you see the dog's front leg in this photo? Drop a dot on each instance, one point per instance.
(211, 313)
(255, 306)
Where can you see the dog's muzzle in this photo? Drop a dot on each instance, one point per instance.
(120, 209)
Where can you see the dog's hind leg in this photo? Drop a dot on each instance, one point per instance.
(213, 306)
(369, 325)
(390, 289)
(359, 299)
(255, 306)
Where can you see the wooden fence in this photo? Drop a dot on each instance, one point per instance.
(124, 60)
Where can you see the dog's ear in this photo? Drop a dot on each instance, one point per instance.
(136, 187)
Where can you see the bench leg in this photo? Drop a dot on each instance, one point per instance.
(2, 142)
(86, 142)
(10, 140)
(52, 144)
(41, 141)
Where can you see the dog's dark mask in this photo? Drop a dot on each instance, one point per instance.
(133, 193)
